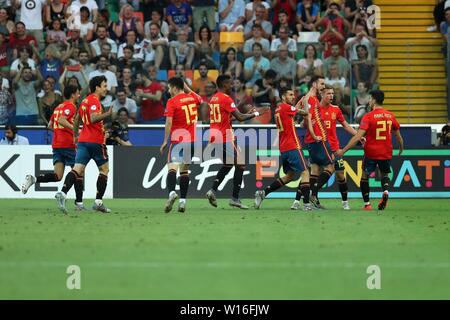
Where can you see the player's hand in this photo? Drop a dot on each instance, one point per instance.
(339, 153)
(400, 151)
(163, 146)
(75, 139)
(363, 141)
(318, 138)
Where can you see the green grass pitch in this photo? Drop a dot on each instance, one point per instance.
(138, 252)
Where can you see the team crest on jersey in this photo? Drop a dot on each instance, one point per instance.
(93, 108)
(67, 111)
(233, 105)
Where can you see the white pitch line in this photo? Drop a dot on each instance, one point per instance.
(219, 265)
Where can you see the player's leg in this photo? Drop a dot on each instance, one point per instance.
(385, 169)
(100, 155)
(233, 152)
(343, 188)
(369, 166)
(314, 183)
(323, 157)
(76, 172)
(184, 186)
(224, 170)
(173, 162)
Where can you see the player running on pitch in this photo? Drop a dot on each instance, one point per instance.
(64, 149)
(181, 121)
(222, 109)
(293, 161)
(330, 115)
(377, 126)
(91, 144)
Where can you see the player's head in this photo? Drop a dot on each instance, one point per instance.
(176, 85)
(224, 83)
(98, 85)
(287, 95)
(376, 98)
(327, 95)
(317, 82)
(71, 92)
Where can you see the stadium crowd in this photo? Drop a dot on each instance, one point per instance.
(138, 44)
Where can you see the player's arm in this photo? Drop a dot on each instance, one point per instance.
(167, 130)
(399, 139)
(301, 111)
(348, 128)
(63, 121)
(311, 129)
(244, 116)
(50, 124)
(75, 128)
(97, 117)
(353, 141)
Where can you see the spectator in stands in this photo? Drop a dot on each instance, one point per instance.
(355, 7)
(361, 37)
(123, 116)
(55, 35)
(25, 92)
(241, 97)
(204, 12)
(179, 17)
(102, 70)
(284, 39)
(210, 90)
(342, 100)
(122, 101)
(154, 45)
(257, 38)
(444, 28)
(309, 66)
(48, 102)
(445, 135)
(21, 39)
(6, 101)
(179, 72)
(198, 85)
(106, 51)
(128, 22)
(6, 25)
(86, 26)
(73, 11)
(231, 65)
(335, 80)
(361, 101)
(251, 7)
(205, 46)
(256, 65)
(149, 98)
(12, 137)
(364, 69)
(284, 21)
(266, 31)
(307, 13)
(149, 6)
(283, 65)
(181, 51)
(232, 15)
(334, 29)
(128, 83)
(51, 65)
(157, 18)
(80, 69)
(264, 94)
(288, 6)
(55, 10)
(23, 60)
(32, 15)
(104, 20)
(439, 15)
(128, 61)
(340, 61)
(102, 37)
(134, 3)
(4, 54)
(131, 40)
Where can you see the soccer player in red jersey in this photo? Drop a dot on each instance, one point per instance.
(320, 154)
(181, 122)
(91, 144)
(377, 127)
(330, 115)
(222, 109)
(64, 149)
(292, 159)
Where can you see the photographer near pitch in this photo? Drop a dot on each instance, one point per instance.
(117, 132)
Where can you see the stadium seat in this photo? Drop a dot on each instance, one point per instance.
(231, 39)
(211, 73)
(162, 75)
(188, 74)
(139, 15)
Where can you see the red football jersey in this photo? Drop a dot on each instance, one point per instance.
(284, 119)
(221, 107)
(91, 132)
(378, 125)
(313, 108)
(63, 137)
(183, 110)
(330, 116)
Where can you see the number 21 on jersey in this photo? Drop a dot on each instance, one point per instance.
(383, 129)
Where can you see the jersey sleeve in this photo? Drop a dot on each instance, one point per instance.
(198, 99)
(365, 122)
(395, 124)
(228, 105)
(290, 110)
(169, 109)
(340, 116)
